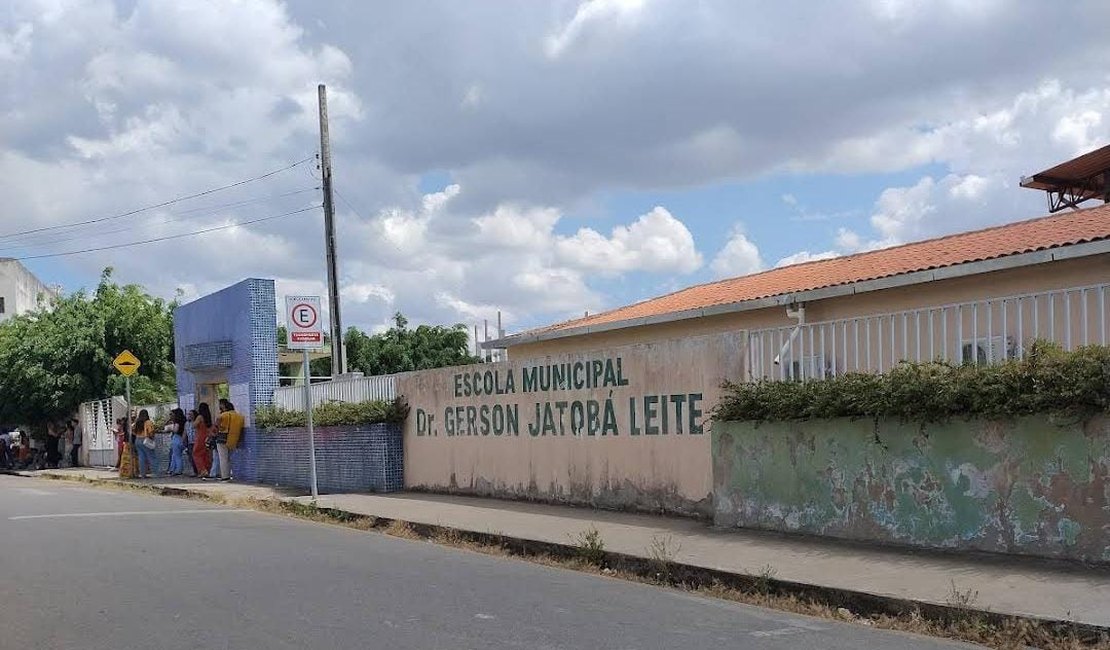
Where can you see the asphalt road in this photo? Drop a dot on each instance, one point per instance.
(94, 569)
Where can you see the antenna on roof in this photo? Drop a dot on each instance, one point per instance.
(1070, 183)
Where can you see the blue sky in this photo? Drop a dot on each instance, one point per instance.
(539, 159)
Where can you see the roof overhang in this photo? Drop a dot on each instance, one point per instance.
(1072, 182)
(906, 279)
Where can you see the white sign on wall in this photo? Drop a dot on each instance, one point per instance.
(304, 322)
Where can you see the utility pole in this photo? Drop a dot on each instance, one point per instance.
(338, 361)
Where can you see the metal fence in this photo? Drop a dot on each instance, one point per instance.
(98, 420)
(355, 389)
(986, 331)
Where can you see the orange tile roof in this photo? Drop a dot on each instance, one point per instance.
(1000, 241)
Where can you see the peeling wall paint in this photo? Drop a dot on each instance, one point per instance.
(1030, 486)
(651, 455)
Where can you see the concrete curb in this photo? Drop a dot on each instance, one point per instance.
(860, 603)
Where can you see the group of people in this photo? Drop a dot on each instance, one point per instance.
(193, 439)
(20, 450)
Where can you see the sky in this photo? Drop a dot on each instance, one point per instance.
(539, 159)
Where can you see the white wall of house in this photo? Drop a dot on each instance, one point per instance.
(20, 290)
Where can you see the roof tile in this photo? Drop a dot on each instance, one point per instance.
(1053, 231)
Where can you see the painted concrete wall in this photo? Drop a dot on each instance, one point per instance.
(1030, 486)
(21, 290)
(229, 336)
(623, 428)
(1031, 279)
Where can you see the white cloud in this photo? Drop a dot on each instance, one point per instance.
(656, 241)
(805, 256)
(739, 256)
(365, 291)
(592, 15)
(16, 44)
(539, 110)
(439, 263)
(969, 188)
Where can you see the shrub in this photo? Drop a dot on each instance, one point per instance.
(335, 414)
(1048, 380)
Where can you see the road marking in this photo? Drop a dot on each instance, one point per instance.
(72, 515)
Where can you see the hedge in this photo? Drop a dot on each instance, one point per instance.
(335, 414)
(1047, 381)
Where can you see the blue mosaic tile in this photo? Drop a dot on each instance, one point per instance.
(208, 356)
(231, 336)
(348, 459)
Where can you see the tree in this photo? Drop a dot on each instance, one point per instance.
(52, 361)
(400, 349)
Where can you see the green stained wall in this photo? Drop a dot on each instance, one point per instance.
(1030, 486)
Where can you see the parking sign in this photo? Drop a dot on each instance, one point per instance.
(304, 322)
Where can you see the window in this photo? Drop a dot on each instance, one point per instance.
(2, 310)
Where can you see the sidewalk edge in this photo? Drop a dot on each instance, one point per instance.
(860, 603)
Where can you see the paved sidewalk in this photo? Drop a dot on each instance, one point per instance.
(1025, 587)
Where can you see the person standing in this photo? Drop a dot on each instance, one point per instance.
(53, 440)
(5, 449)
(143, 431)
(176, 429)
(190, 439)
(77, 436)
(202, 424)
(121, 439)
(230, 429)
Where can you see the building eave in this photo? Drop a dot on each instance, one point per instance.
(966, 269)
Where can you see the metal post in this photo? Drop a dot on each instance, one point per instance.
(311, 433)
(338, 365)
(127, 392)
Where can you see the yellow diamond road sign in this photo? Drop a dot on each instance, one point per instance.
(126, 363)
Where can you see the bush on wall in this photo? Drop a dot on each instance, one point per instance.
(1048, 380)
(335, 414)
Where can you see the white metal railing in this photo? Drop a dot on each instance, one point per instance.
(985, 331)
(355, 389)
(98, 421)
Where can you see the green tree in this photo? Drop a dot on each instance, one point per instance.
(53, 359)
(400, 348)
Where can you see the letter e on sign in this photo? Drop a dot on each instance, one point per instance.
(302, 317)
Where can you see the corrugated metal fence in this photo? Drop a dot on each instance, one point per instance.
(986, 331)
(355, 389)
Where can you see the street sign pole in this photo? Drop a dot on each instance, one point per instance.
(127, 385)
(302, 315)
(311, 433)
(127, 364)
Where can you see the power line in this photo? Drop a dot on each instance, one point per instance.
(163, 203)
(355, 210)
(172, 217)
(168, 237)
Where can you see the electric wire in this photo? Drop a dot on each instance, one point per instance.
(170, 218)
(336, 191)
(161, 204)
(168, 237)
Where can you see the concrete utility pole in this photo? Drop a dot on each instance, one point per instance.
(338, 362)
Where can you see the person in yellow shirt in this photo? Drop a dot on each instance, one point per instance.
(229, 429)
